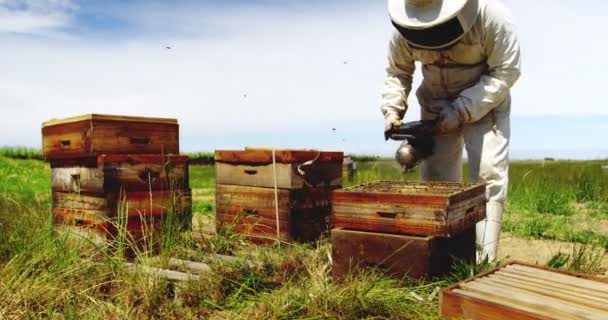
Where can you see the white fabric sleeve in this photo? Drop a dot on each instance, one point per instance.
(502, 48)
(399, 75)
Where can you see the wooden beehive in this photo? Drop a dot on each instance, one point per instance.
(303, 213)
(139, 213)
(112, 173)
(295, 169)
(523, 291)
(416, 208)
(399, 255)
(95, 134)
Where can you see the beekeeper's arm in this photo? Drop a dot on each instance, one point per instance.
(502, 48)
(398, 84)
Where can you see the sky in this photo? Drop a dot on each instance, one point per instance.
(297, 74)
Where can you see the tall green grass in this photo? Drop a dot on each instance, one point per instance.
(21, 153)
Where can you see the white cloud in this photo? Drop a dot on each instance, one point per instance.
(35, 17)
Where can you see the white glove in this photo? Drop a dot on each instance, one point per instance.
(449, 120)
(391, 121)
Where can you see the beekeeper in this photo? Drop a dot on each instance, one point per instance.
(470, 59)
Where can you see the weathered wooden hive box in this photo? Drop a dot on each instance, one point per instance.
(415, 229)
(524, 291)
(418, 208)
(117, 175)
(397, 254)
(245, 192)
(140, 214)
(295, 169)
(94, 193)
(95, 134)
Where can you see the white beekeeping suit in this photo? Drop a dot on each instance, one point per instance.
(470, 59)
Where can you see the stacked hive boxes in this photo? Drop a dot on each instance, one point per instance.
(303, 180)
(115, 173)
(410, 229)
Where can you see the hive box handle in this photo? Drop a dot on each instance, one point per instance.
(139, 140)
(251, 172)
(65, 144)
(149, 176)
(251, 212)
(390, 215)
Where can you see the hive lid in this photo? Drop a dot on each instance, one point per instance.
(106, 117)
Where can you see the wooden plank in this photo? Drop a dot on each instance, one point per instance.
(193, 266)
(548, 284)
(537, 303)
(517, 288)
(264, 156)
(94, 116)
(561, 278)
(583, 300)
(161, 273)
(398, 255)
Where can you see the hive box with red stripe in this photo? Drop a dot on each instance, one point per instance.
(245, 192)
(415, 229)
(104, 193)
(95, 134)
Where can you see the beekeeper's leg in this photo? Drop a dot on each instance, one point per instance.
(487, 145)
(446, 162)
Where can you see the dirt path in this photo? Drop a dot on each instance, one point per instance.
(534, 251)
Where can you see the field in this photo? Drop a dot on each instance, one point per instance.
(557, 214)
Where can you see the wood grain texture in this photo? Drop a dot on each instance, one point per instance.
(319, 174)
(523, 291)
(409, 208)
(112, 173)
(251, 210)
(91, 137)
(264, 156)
(84, 210)
(398, 255)
(96, 116)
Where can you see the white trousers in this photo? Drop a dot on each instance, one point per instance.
(487, 145)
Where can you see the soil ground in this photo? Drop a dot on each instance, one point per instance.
(534, 251)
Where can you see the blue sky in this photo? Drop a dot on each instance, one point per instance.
(277, 73)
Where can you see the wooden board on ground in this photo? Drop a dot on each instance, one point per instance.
(112, 173)
(399, 255)
(421, 208)
(303, 214)
(295, 169)
(524, 291)
(94, 134)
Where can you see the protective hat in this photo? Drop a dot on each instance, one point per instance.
(433, 24)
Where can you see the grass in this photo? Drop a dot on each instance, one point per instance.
(46, 276)
(20, 153)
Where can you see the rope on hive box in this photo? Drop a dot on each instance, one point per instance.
(276, 196)
(308, 163)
